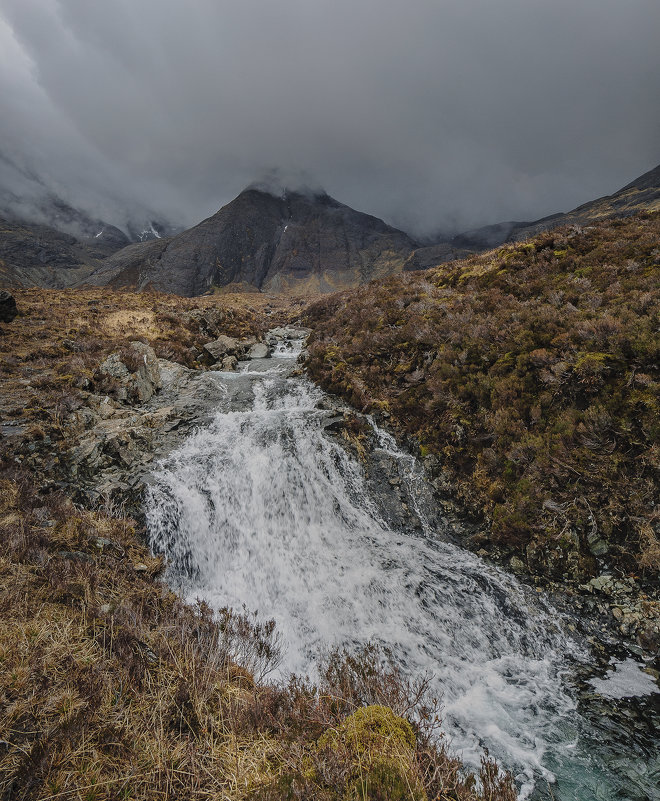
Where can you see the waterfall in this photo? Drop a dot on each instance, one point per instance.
(263, 509)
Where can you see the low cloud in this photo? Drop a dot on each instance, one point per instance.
(434, 114)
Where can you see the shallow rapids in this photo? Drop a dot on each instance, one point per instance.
(263, 509)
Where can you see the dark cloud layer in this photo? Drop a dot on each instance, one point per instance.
(430, 113)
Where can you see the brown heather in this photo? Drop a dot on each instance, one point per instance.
(49, 354)
(528, 377)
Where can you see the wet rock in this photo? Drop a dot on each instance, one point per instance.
(602, 583)
(8, 310)
(335, 423)
(281, 333)
(598, 547)
(227, 346)
(221, 347)
(259, 351)
(517, 565)
(229, 363)
(649, 636)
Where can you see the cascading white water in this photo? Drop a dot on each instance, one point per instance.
(262, 509)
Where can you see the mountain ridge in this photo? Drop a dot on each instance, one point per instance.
(301, 242)
(641, 194)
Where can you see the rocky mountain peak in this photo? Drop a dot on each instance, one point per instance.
(293, 241)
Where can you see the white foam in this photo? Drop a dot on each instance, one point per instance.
(627, 680)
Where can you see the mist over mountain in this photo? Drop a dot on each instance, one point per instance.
(421, 112)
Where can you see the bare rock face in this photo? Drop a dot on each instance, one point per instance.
(135, 372)
(8, 308)
(296, 244)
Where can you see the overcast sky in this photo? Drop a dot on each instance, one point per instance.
(434, 114)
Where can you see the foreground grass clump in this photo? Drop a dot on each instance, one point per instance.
(529, 378)
(380, 749)
(112, 688)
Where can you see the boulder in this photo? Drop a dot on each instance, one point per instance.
(136, 371)
(221, 347)
(229, 363)
(8, 308)
(227, 346)
(259, 351)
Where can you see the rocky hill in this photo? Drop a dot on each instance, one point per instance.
(642, 194)
(38, 255)
(298, 244)
(46, 241)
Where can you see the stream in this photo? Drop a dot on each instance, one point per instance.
(264, 508)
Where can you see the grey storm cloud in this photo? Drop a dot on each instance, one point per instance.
(434, 114)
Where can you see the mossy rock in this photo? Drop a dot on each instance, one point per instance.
(380, 747)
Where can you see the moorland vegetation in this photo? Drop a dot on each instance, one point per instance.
(528, 379)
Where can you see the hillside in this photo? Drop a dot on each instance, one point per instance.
(37, 255)
(112, 687)
(296, 244)
(47, 242)
(33, 254)
(642, 194)
(528, 380)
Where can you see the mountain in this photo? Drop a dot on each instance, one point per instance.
(46, 241)
(295, 243)
(37, 255)
(642, 194)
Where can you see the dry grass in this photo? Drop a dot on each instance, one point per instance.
(50, 352)
(112, 688)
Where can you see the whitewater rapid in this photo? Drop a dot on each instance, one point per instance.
(263, 509)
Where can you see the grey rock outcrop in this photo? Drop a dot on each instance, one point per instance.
(259, 351)
(136, 372)
(223, 346)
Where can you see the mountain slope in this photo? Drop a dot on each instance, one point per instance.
(298, 244)
(642, 194)
(45, 241)
(37, 255)
(529, 376)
